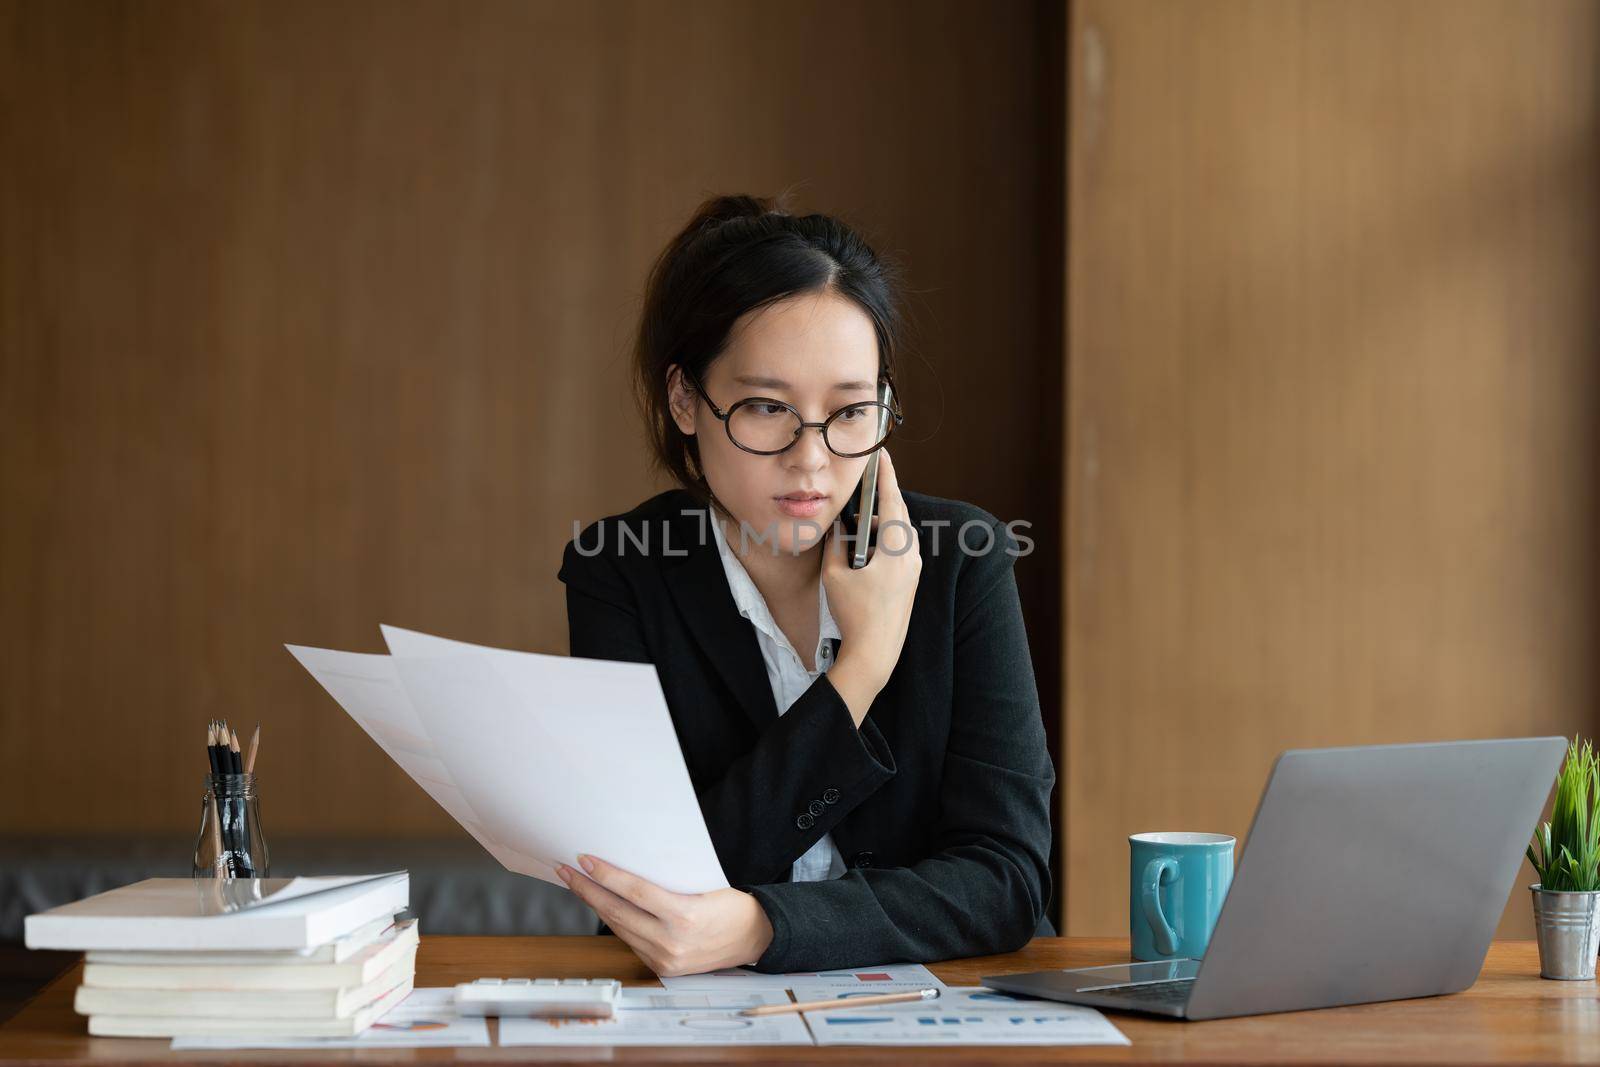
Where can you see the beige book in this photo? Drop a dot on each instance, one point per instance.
(182, 1026)
(335, 951)
(244, 1006)
(360, 969)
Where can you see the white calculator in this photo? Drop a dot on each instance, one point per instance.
(589, 998)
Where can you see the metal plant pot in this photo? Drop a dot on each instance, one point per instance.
(1568, 926)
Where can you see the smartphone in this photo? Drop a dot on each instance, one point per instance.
(867, 495)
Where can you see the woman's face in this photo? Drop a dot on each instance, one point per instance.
(817, 352)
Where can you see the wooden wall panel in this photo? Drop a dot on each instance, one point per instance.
(314, 316)
(1332, 334)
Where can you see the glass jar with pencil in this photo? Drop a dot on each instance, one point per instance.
(231, 844)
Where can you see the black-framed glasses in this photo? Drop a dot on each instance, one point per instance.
(767, 426)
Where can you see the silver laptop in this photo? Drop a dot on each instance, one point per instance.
(1375, 873)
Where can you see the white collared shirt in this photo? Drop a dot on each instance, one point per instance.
(787, 675)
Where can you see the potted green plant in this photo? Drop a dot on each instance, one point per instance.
(1565, 853)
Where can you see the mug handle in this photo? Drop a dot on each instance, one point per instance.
(1157, 873)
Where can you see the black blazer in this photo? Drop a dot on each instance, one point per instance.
(940, 802)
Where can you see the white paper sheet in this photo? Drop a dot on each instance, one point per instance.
(538, 757)
(425, 1019)
(963, 1015)
(666, 1017)
(889, 978)
(369, 690)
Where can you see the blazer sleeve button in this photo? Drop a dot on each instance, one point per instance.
(815, 807)
(805, 821)
(830, 796)
(862, 859)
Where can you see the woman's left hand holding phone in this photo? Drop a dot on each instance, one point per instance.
(673, 933)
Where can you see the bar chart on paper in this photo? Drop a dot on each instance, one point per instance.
(961, 1016)
(664, 1017)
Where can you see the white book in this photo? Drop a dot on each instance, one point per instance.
(336, 951)
(219, 914)
(182, 1026)
(244, 1007)
(365, 966)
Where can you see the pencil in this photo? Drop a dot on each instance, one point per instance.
(847, 1002)
(241, 825)
(220, 863)
(229, 824)
(250, 760)
(214, 758)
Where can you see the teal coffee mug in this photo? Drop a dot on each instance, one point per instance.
(1179, 881)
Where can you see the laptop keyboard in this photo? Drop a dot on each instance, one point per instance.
(1149, 992)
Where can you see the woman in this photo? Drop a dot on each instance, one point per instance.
(865, 743)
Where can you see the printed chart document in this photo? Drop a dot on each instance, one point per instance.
(890, 978)
(524, 751)
(669, 1017)
(425, 1019)
(963, 1015)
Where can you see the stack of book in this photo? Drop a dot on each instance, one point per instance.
(179, 957)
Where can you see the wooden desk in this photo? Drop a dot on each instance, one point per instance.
(1510, 1016)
